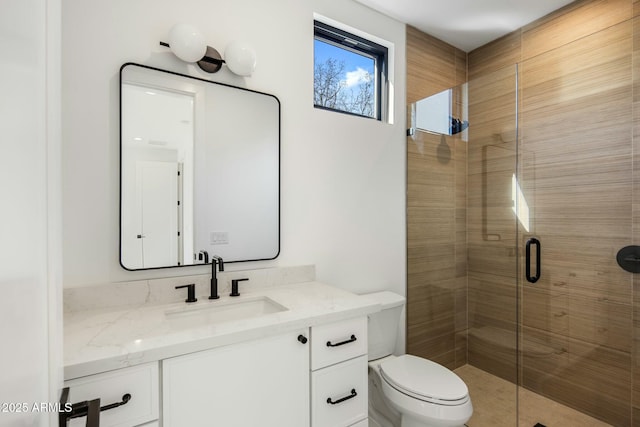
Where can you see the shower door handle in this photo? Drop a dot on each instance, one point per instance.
(530, 278)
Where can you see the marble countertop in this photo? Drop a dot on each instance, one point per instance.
(105, 339)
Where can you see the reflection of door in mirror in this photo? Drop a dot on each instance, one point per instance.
(157, 144)
(157, 213)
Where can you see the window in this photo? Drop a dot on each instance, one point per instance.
(350, 72)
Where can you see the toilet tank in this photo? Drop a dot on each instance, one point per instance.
(384, 325)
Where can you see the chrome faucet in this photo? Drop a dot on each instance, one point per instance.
(215, 259)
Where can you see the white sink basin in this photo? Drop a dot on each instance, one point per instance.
(213, 312)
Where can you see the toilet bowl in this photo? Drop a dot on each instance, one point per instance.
(409, 391)
(424, 393)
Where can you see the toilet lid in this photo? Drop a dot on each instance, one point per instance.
(424, 379)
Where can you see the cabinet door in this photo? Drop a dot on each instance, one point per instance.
(256, 383)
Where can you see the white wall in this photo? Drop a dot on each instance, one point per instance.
(343, 177)
(236, 174)
(30, 266)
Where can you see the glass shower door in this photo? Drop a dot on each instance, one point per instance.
(576, 174)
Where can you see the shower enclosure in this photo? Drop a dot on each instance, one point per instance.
(520, 193)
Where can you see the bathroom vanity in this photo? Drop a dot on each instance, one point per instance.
(285, 352)
(279, 355)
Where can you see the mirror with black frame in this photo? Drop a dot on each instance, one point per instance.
(199, 170)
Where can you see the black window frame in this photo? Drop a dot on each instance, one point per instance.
(359, 45)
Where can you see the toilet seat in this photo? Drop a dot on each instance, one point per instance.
(424, 380)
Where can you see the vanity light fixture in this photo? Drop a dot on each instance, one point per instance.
(188, 44)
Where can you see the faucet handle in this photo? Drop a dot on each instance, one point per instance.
(234, 287)
(191, 292)
(203, 256)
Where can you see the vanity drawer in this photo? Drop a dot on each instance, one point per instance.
(141, 382)
(339, 383)
(335, 342)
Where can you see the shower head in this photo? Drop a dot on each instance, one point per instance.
(457, 125)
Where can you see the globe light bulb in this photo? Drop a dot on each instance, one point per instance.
(240, 58)
(187, 42)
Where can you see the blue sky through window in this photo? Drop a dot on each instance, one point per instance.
(355, 64)
(357, 86)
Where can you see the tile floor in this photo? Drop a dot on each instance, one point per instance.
(494, 404)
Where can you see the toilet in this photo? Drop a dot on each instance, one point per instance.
(409, 391)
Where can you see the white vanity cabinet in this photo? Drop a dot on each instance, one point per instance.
(303, 367)
(140, 382)
(263, 382)
(339, 376)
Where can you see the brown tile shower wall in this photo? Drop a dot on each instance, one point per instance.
(436, 213)
(578, 79)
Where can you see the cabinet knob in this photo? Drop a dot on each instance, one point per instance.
(302, 339)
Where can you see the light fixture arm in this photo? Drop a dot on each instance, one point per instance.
(211, 62)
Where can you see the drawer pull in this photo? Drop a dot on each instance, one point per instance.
(352, 339)
(125, 399)
(90, 409)
(351, 396)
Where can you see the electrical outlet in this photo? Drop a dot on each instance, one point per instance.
(219, 238)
